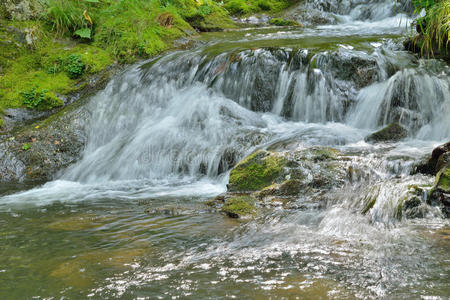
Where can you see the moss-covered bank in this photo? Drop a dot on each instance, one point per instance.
(49, 48)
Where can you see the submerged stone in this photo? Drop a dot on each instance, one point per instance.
(391, 133)
(241, 206)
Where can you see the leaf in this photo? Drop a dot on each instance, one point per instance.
(26, 147)
(92, 1)
(83, 33)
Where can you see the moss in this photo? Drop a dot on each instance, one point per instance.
(257, 171)
(392, 132)
(238, 207)
(290, 187)
(237, 7)
(244, 7)
(216, 20)
(443, 180)
(283, 22)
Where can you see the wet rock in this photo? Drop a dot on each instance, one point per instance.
(255, 20)
(355, 66)
(440, 157)
(414, 205)
(239, 207)
(440, 193)
(391, 133)
(38, 152)
(284, 175)
(257, 171)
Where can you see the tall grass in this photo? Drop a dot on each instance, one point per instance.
(435, 25)
(68, 15)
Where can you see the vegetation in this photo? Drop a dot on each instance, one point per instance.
(257, 171)
(434, 26)
(443, 180)
(283, 22)
(63, 41)
(243, 7)
(241, 206)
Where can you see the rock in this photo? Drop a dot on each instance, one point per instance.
(443, 180)
(241, 206)
(20, 10)
(391, 133)
(440, 157)
(37, 152)
(257, 171)
(414, 205)
(440, 193)
(284, 175)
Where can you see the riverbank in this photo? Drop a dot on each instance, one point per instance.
(52, 49)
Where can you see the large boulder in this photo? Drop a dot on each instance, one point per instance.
(281, 177)
(37, 152)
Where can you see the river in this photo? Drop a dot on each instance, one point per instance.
(129, 219)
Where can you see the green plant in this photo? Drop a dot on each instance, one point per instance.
(283, 22)
(26, 146)
(237, 7)
(264, 5)
(74, 66)
(72, 16)
(40, 99)
(33, 97)
(435, 25)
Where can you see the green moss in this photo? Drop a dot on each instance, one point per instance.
(283, 22)
(443, 180)
(237, 7)
(392, 132)
(237, 207)
(243, 7)
(257, 171)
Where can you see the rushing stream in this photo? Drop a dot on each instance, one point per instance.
(128, 220)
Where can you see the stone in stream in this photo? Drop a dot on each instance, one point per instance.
(276, 177)
(438, 164)
(391, 133)
(35, 153)
(439, 158)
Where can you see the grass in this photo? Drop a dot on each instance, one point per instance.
(75, 38)
(435, 25)
(245, 7)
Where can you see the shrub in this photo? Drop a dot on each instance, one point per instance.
(264, 5)
(40, 99)
(70, 16)
(283, 22)
(74, 66)
(237, 7)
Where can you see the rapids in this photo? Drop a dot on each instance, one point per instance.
(128, 219)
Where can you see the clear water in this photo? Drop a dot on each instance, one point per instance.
(129, 221)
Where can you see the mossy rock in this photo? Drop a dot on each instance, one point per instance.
(288, 188)
(238, 207)
(257, 171)
(391, 133)
(443, 180)
(283, 22)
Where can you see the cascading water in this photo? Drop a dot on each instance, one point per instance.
(166, 132)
